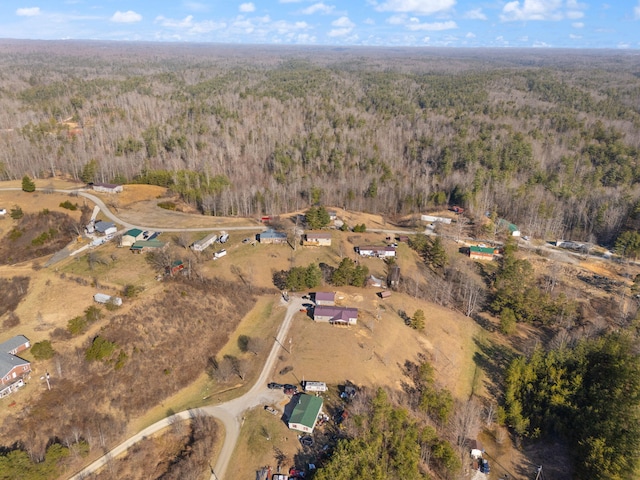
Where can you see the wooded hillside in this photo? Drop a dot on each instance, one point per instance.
(547, 139)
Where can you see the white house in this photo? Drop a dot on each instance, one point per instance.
(106, 187)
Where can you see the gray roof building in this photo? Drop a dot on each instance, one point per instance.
(15, 344)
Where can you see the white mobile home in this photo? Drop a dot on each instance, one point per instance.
(205, 242)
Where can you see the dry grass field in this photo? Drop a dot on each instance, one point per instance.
(371, 353)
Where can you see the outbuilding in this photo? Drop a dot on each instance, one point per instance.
(131, 236)
(324, 298)
(142, 246)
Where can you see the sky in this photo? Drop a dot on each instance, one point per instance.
(437, 23)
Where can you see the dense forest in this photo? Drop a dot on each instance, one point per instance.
(547, 139)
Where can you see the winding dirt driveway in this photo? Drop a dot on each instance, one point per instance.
(228, 413)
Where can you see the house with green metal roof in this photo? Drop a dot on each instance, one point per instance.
(305, 413)
(482, 253)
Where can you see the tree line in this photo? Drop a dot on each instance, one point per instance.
(391, 133)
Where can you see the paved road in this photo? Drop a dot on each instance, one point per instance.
(229, 413)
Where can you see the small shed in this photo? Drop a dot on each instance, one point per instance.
(393, 277)
(176, 267)
(305, 413)
(384, 294)
(324, 298)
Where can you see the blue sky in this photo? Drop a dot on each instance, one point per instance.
(452, 23)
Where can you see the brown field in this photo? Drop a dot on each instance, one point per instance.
(369, 354)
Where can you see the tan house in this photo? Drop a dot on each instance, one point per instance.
(317, 239)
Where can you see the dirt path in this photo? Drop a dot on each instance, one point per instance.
(229, 413)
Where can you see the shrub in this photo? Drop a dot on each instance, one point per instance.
(167, 205)
(360, 228)
(68, 205)
(100, 349)
(16, 213)
(42, 350)
(131, 291)
(60, 334)
(77, 325)
(507, 321)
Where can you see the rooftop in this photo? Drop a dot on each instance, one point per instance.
(8, 362)
(13, 343)
(307, 410)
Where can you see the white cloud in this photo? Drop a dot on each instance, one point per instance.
(532, 10)
(550, 10)
(318, 8)
(475, 14)
(344, 27)
(126, 17)
(343, 22)
(470, 35)
(196, 6)
(397, 19)
(28, 12)
(623, 45)
(247, 7)
(575, 37)
(426, 39)
(540, 44)
(636, 11)
(369, 21)
(420, 7)
(431, 27)
(171, 23)
(577, 25)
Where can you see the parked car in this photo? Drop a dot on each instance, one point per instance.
(484, 466)
(271, 410)
(288, 386)
(274, 385)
